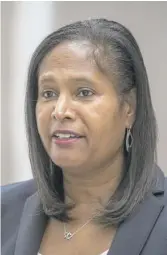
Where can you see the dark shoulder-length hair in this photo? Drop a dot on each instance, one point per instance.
(116, 53)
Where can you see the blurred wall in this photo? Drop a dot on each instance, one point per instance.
(25, 24)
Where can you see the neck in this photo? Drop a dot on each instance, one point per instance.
(91, 193)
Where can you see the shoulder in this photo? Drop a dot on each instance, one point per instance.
(26, 185)
(13, 198)
(14, 195)
(17, 190)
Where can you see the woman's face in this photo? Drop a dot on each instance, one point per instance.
(76, 99)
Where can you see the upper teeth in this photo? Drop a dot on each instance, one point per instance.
(65, 135)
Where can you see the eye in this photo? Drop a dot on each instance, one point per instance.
(48, 94)
(85, 93)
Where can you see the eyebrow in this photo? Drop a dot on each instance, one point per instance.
(46, 77)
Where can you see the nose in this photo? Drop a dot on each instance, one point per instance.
(62, 109)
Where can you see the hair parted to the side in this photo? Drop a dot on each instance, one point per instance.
(115, 52)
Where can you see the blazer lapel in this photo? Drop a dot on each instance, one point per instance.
(32, 225)
(133, 234)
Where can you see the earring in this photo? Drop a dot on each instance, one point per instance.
(128, 140)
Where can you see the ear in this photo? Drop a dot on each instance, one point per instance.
(130, 108)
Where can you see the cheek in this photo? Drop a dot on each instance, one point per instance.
(106, 122)
(102, 113)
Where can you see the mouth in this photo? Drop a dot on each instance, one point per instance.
(65, 137)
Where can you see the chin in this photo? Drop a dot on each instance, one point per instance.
(67, 162)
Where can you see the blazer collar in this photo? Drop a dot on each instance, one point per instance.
(131, 236)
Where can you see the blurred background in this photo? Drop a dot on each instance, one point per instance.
(25, 24)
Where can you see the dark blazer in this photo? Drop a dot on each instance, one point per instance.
(23, 223)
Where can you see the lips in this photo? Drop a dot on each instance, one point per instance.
(66, 134)
(66, 137)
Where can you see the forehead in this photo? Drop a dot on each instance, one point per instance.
(72, 56)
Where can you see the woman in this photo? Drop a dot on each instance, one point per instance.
(92, 144)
